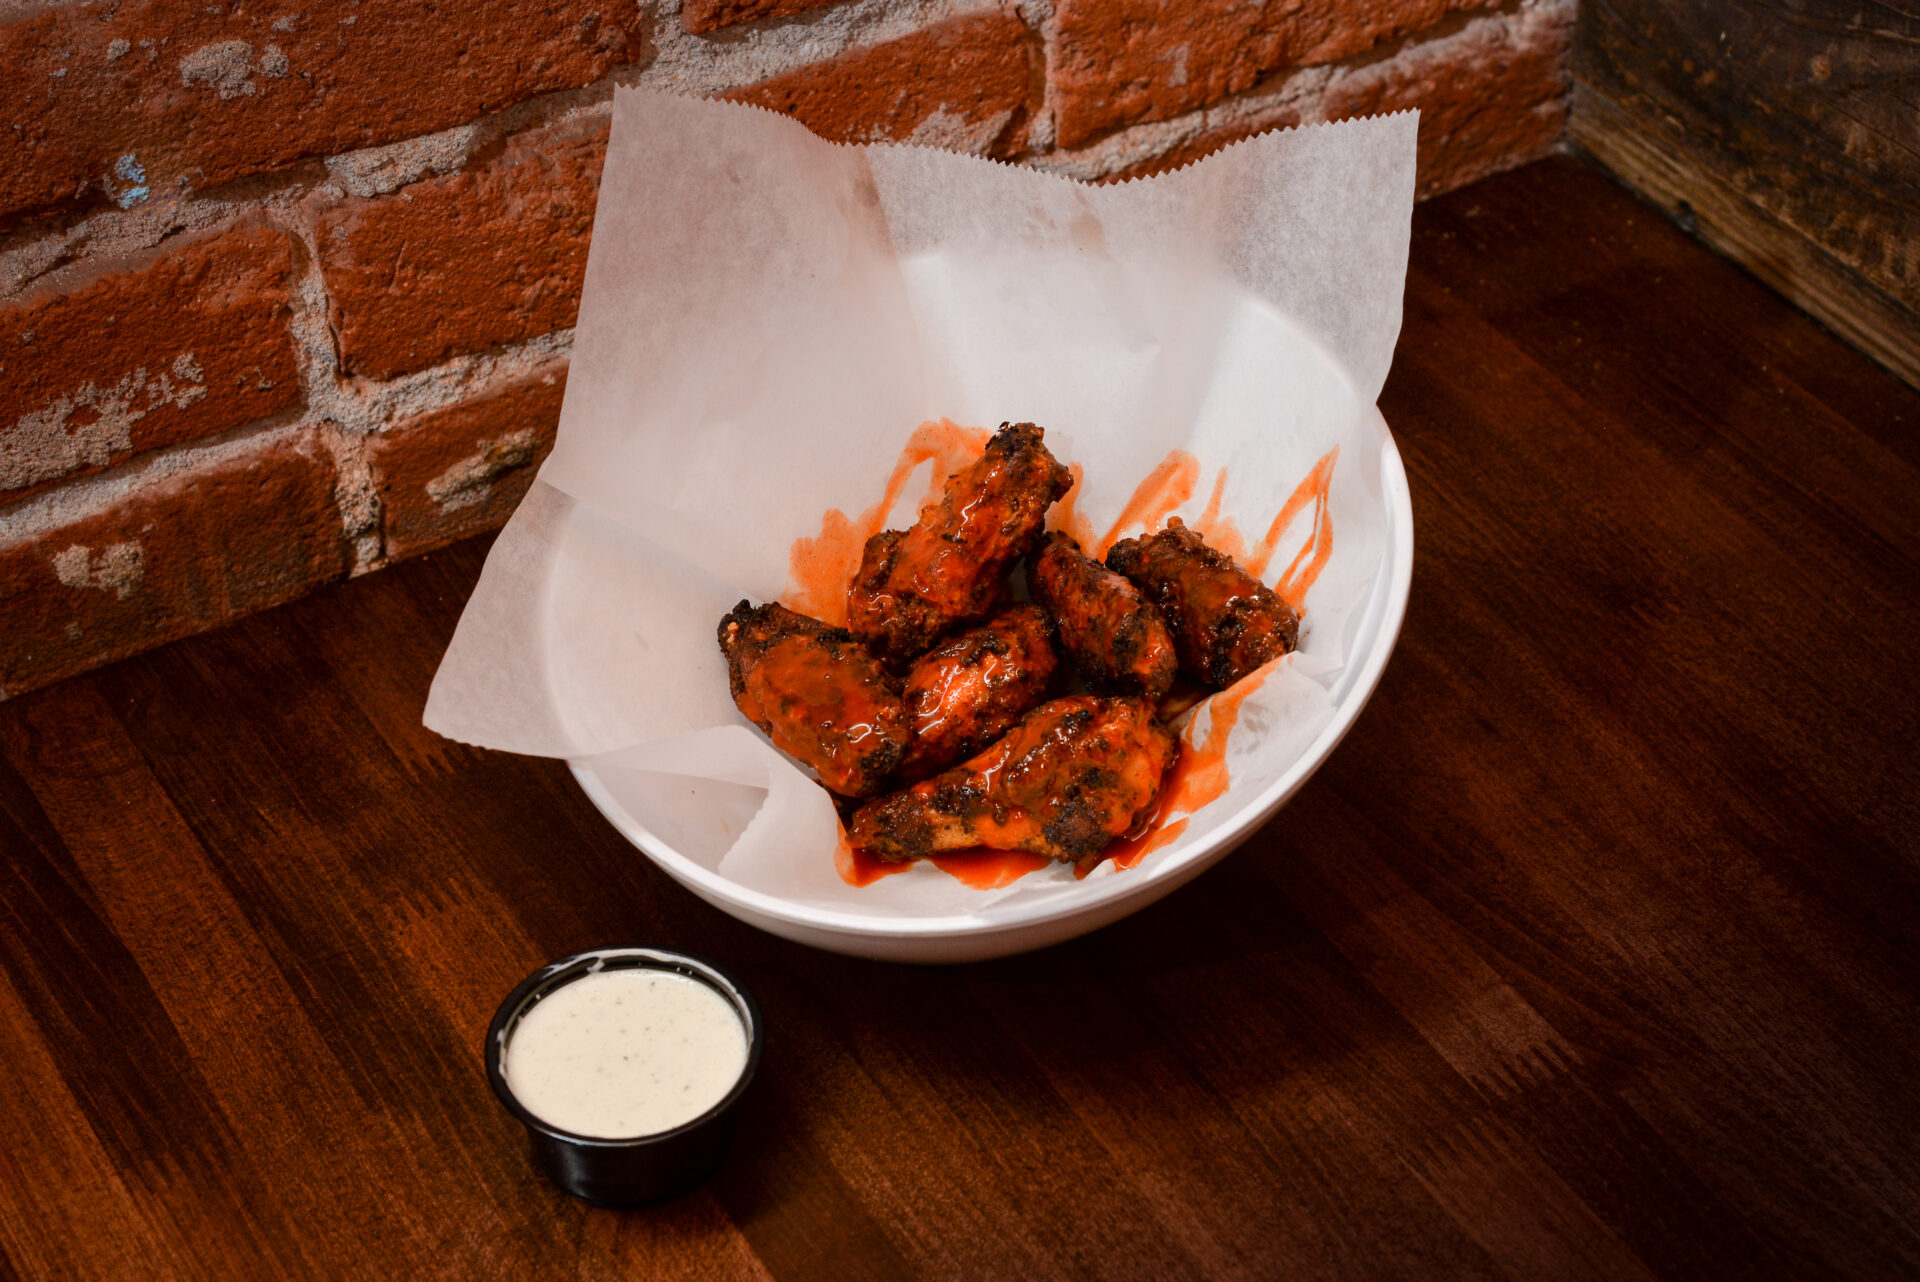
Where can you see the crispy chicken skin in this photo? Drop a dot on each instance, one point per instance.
(817, 694)
(1114, 635)
(950, 568)
(1225, 622)
(1073, 775)
(968, 691)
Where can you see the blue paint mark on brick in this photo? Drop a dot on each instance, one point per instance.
(129, 169)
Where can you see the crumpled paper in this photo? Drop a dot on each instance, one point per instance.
(768, 316)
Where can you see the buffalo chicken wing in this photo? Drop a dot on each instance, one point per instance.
(950, 568)
(817, 694)
(1114, 635)
(966, 692)
(1072, 776)
(1225, 622)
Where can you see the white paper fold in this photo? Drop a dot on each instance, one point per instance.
(767, 317)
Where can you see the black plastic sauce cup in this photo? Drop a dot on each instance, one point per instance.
(643, 1168)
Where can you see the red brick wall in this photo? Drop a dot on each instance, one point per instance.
(286, 290)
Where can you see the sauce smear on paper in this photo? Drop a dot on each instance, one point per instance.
(979, 868)
(984, 869)
(1066, 516)
(1312, 556)
(1219, 531)
(1164, 492)
(858, 868)
(1197, 777)
(821, 568)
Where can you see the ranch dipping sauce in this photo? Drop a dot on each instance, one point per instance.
(620, 1053)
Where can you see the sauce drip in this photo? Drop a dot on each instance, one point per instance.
(978, 869)
(820, 568)
(984, 869)
(1219, 531)
(1312, 556)
(1166, 489)
(858, 868)
(1196, 778)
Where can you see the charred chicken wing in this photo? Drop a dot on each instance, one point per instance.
(950, 567)
(1114, 635)
(1225, 622)
(1073, 775)
(965, 693)
(817, 694)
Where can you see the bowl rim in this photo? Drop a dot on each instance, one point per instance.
(1357, 690)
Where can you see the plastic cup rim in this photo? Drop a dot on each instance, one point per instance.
(575, 966)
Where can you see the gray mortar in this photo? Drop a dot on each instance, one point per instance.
(1039, 15)
(377, 171)
(226, 66)
(1300, 91)
(753, 51)
(58, 260)
(54, 509)
(342, 415)
(1304, 91)
(345, 412)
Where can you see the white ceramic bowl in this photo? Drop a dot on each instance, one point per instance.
(1011, 925)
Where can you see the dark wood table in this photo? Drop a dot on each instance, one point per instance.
(1590, 954)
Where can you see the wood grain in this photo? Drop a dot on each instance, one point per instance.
(1786, 134)
(1719, 212)
(1589, 954)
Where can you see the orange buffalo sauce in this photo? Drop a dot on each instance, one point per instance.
(1220, 531)
(858, 868)
(1197, 777)
(1164, 492)
(980, 868)
(1312, 556)
(985, 869)
(821, 568)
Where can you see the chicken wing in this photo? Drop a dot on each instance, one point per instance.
(817, 694)
(1073, 775)
(1225, 622)
(965, 693)
(1114, 635)
(950, 568)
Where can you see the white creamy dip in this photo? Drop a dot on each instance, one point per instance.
(621, 1053)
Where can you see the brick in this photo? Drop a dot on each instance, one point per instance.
(1207, 142)
(177, 557)
(1490, 97)
(964, 84)
(453, 472)
(187, 344)
(468, 261)
(710, 15)
(1122, 62)
(132, 96)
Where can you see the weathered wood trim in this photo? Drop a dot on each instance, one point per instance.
(1685, 186)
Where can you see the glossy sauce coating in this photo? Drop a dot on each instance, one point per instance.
(1113, 634)
(1225, 622)
(817, 694)
(914, 586)
(821, 565)
(1072, 776)
(968, 691)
